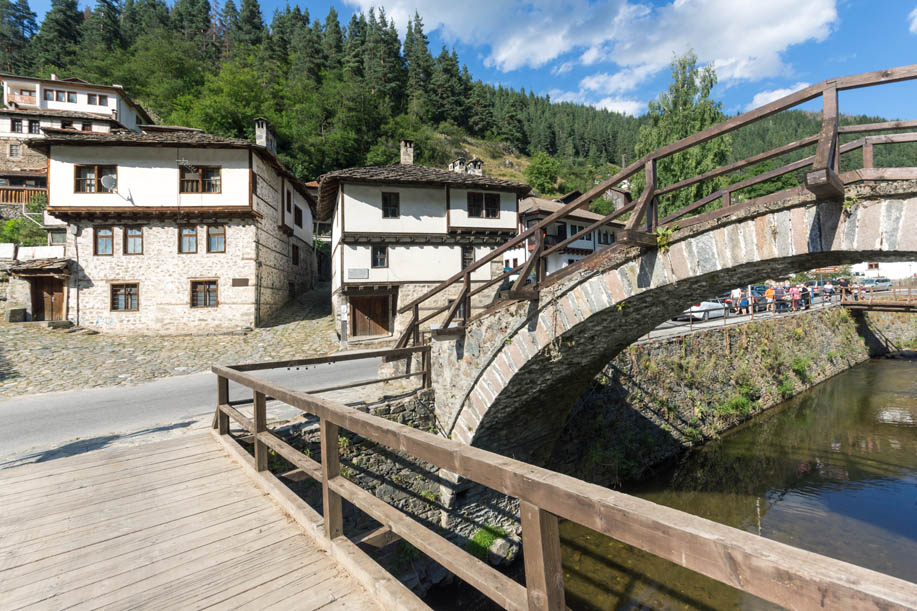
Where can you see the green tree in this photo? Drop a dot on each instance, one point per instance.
(251, 24)
(17, 26)
(681, 111)
(541, 172)
(58, 37)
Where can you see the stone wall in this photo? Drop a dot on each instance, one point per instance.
(164, 276)
(28, 159)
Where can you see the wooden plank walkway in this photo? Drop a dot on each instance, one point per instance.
(167, 525)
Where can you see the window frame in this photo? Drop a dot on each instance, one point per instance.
(103, 99)
(180, 236)
(294, 254)
(297, 216)
(97, 169)
(92, 99)
(85, 127)
(200, 180)
(387, 206)
(491, 211)
(18, 148)
(216, 293)
(465, 248)
(95, 241)
(125, 240)
(49, 95)
(14, 124)
(111, 296)
(372, 256)
(66, 124)
(71, 94)
(478, 207)
(60, 95)
(221, 233)
(36, 124)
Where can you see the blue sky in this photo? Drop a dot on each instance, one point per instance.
(615, 54)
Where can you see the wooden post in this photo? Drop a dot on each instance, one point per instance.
(727, 199)
(331, 468)
(868, 162)
(539, 264)
(652, 212)
(260, 416)
(823, 180)
(427, 364)
(466, 295)
(222, 399)
(544, 575)
(416, 324)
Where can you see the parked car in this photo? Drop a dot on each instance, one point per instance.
(877, 283)
(705, 310)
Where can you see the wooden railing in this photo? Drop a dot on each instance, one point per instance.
(888, 299)
(22, 100)
(823, 179)
(773, 571)
(20, 195)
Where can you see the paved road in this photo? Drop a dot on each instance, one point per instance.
(64, 423)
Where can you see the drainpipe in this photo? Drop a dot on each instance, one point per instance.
(76, 250)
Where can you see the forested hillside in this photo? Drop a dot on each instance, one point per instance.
(338, 94)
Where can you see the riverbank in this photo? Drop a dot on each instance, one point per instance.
(657, 399)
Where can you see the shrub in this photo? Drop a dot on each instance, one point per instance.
(800, 366)
(737, 404)
(786, 386)
(479, 544)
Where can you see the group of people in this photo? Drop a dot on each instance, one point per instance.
(793, 296)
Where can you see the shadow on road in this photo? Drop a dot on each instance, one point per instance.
(81, 446)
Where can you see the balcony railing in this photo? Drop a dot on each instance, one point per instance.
(22, 100)
(20, 195)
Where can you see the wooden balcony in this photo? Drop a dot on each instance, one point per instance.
(22, 100)
(20, 195)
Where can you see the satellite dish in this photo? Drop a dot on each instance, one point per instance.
(109, 182)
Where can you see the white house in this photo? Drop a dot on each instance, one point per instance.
(32, 104)
(893, 270)
(399, 230)
(535, 209)
(170, 229)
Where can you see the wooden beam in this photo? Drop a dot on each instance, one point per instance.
(353, 355)
(401, 376)
(825, 184)
(377, 538)
(603, 221)
(299, 460)
(331, 468)
(260, 412)
(533, 260)
(636, 238)
(645, 202)
(544, 575)
(222, 399)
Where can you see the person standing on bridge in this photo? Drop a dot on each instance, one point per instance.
(769, 298)
(735, 296)
(795, 296)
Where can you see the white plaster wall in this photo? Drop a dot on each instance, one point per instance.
(126, 113)
(6, 128)
(147, 176)
(423, 210)
(28, 253)
(458, 211)
(304, 233)
(892, 270)
(411, 263)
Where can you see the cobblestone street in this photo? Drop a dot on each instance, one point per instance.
(35, 359)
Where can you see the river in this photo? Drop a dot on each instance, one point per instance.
(833, 471)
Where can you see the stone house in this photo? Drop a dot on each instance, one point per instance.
(171, 230)
(399, 230)
(32, 104)
(534, 209)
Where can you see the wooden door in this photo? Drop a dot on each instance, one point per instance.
(47, 298)
(370, 316)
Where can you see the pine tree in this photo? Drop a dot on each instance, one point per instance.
(227, 27)
(419, 70)
(447, 89)
(58, 37)
(102, 31)
(333, 39)
(251, 25)
(308, 57)
(17, 26)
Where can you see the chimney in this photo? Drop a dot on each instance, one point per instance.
(458, 166)
(407, 152)
(53, 77)
(264, 135)
(475, 167)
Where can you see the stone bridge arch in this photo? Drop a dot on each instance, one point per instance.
(510, 382)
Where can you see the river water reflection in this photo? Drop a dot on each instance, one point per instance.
(833, 471)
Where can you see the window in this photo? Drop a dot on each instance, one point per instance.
(492, 205)
(391, 206)
(199, 179)
(103, 100)
(294, 254)
(380, 256)
(216, 238)
(104, 241)
(297, 216)
(57, 237)
(289, 200)
(14, 150)
(49, 95)
(27, 92)
(60, 96)
(16, 125)
(872, 266)
(93, 98)
(95, 179)
(187, 239)
(204, 294)
(125, 297)
(133, 240)
(86, 127)
(476, 204)
(66, 124)
(34, 127)
(71, 97)
(467, 256)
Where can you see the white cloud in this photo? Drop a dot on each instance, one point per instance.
(765, 97)
(625, 106)
(913, 19)
(562, 68)
(624, 80)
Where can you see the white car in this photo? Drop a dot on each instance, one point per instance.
(705, 310)
(877, 283)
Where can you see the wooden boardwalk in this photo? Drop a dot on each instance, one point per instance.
(167, 525)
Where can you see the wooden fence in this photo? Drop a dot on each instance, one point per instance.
(823, 178)
(773, 571)
(20, 195)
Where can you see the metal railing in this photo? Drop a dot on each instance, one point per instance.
(823, 179)
(774, 571)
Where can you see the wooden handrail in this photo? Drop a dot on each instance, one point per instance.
(774, 571)
(823, 179)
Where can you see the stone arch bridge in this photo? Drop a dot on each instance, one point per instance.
(510, 381)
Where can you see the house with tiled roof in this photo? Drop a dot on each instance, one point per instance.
(171, 230)
(399, 230)
(32, 104)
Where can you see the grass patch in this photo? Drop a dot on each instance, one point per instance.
(800, 366)
(479, 544)
(737, 404)
(786, 386)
